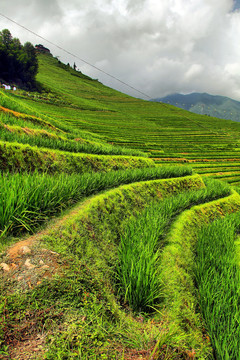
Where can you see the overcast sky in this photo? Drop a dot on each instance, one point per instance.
(158, 46)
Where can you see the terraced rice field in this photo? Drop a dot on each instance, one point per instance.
(115, 270)
(85, 108)
(166, 133)
(127, 269)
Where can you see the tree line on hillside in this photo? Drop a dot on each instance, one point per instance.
(18, 63)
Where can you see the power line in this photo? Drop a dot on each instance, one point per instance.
(77, 57)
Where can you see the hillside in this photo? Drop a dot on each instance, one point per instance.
(165, 132)
(110, 219)
(202, 103)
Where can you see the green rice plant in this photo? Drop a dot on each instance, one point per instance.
(10, 102)
(92, 235)
(138, 274)
(17, 157)
(9, 119)
(237, 188)
(79, 105)
(69, 145)
(140, 248)
(218, 280)
(29, 199)
(14, 102)
(180, 306)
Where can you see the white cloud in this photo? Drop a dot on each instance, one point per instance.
(157, 46)
(194, 71)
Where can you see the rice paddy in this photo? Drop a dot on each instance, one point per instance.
(103, 118)
(217, 277)
(148, 258)
(27, 200)
(143, 239)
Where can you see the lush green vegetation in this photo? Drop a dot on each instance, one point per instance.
(96, 229)
(29, 199)
(44, 140)
(168, 134)
(82, 107)
(122, 283)
(18, 64)
(16, 157)
(21, 128)
(180, 302)
(143, 239)
(85, 290)
(217, 276)
(93, 235)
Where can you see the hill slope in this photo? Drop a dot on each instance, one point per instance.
(83, 108)
(113, 277)
(202, 103)
(165, 132)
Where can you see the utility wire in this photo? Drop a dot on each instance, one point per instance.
(77, 57)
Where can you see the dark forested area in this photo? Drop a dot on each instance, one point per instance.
(18, 63)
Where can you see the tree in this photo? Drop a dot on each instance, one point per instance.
(5, 37)
(30, 64)
(18, 63)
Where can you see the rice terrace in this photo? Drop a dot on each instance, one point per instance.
(119, 225)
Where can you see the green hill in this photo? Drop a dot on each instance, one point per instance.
(86, 109)
(108, 210)
(202, 103)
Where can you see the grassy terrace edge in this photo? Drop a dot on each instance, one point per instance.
(14, 156)
(29, 199)
(90, 235)
(103, 214)
(143, 240)
(177, 272)
(60, 138)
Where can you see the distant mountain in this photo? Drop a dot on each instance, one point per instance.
(202, 103)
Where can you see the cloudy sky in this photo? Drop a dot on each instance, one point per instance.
(157, 46)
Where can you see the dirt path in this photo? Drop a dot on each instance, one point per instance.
(23, 266)
(20, 247)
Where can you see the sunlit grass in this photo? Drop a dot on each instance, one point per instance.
(28, 199)
(218, 280)
(142, 240)
(80, 145)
